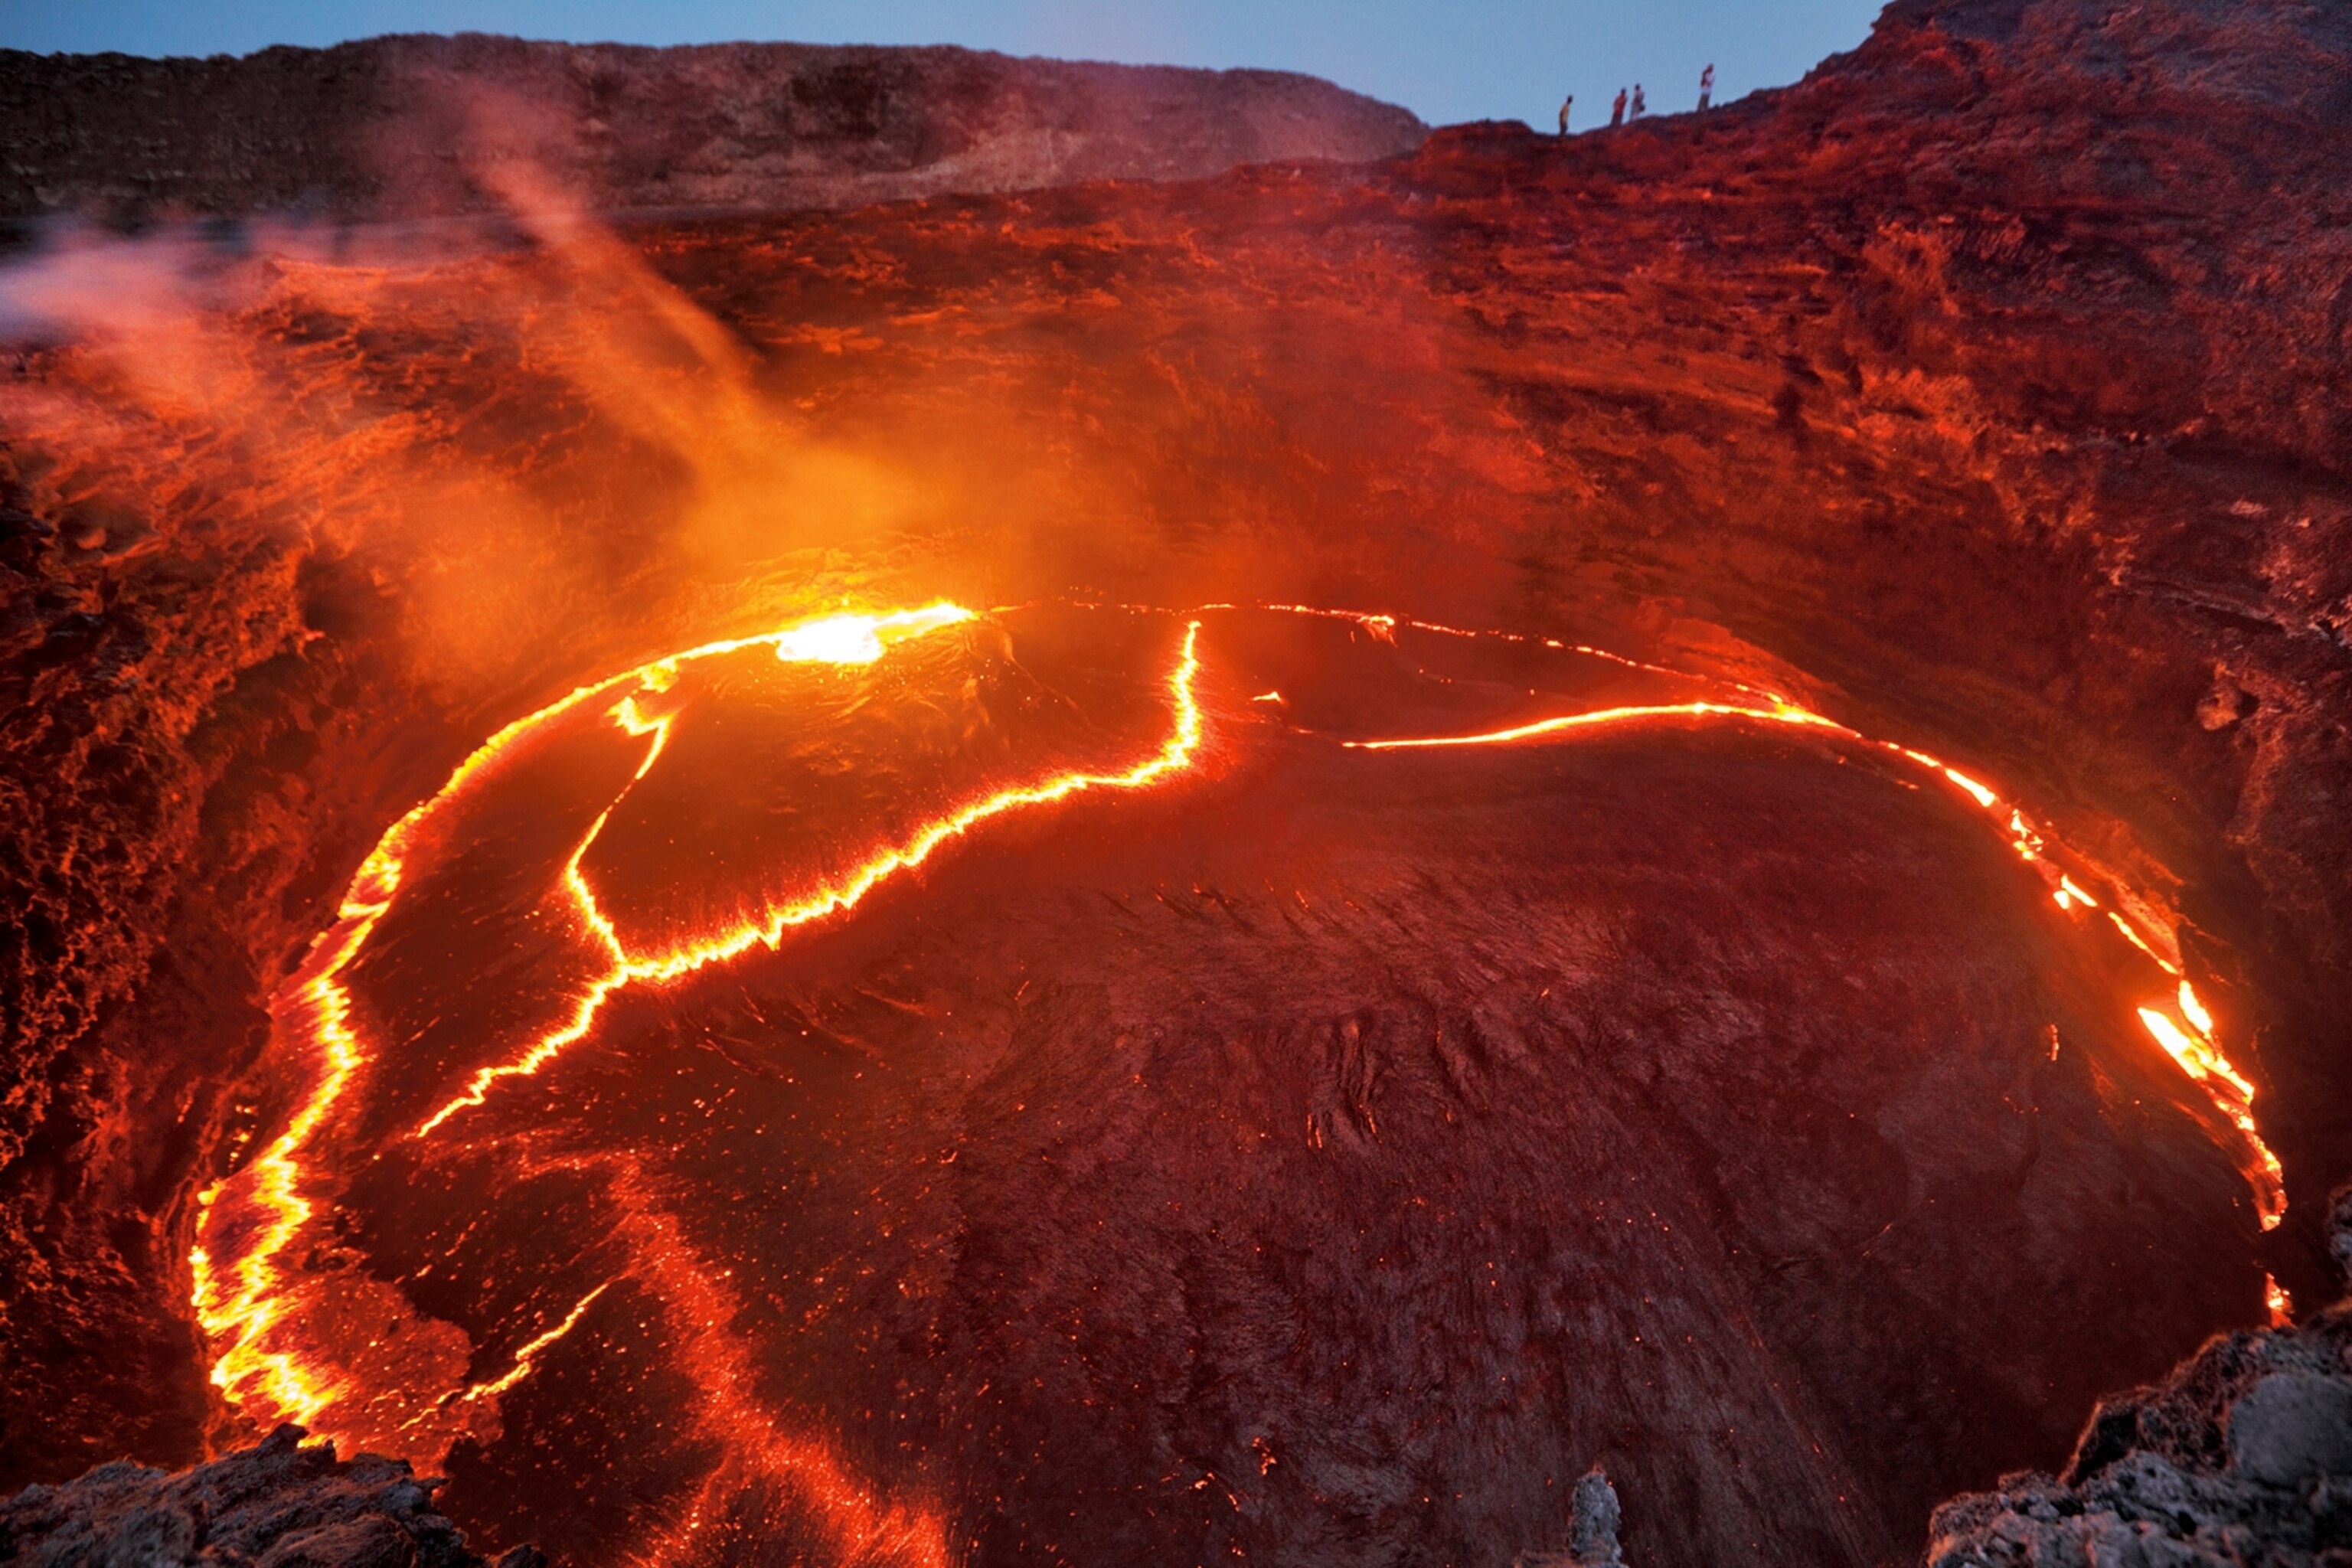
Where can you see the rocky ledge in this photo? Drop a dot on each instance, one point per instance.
(420, 126)
(2243, 1455)
(279, 1505)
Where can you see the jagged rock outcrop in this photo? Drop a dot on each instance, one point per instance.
(419, 125)
(279, 1505)
(2243, 1455)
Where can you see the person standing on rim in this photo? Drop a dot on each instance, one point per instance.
(1617, 109)
(1705, 87)
(1641, 104)
(1565, 104)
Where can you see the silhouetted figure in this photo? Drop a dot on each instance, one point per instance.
(1706, 89)
(1617, 109)
(1564, 105)
(1641, 104)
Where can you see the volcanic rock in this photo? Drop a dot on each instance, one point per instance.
(279, 1505)
(420, 126)
(2243, 1454)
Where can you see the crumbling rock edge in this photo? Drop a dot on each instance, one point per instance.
(2243, 1455)
(278, 1505)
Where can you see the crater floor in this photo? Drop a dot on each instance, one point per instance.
(1239, 1135)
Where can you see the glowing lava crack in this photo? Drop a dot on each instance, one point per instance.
(262, 1269)
(250, 1222)
(817, 903)
(2180, 1024)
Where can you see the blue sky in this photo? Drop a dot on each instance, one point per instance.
(1467, 59)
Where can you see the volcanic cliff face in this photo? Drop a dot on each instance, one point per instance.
(1984, 393)
(376, 128)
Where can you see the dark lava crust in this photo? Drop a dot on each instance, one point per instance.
(1324, 1157)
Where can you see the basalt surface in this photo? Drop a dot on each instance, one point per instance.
(278, 1504)
(1986, 392)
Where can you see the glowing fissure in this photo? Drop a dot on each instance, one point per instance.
(2186, 1037)
(238, 1310)
(245, 1288)
(245, 1305)
(630, 968)
(1385, 627)
(1601, 718)
(242, 1306)
(239, 1304)
(529, 1354)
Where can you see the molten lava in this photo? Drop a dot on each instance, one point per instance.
(261, 1360)
(841, 639)
(303, 1330)
(2189, 1040)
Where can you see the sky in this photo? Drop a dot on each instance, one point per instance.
(1446, 61)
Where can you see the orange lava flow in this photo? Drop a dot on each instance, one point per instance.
(630, 968)
(249, 1301)
(248, 1266)
(245, 1278)
(2179, 1025)
(1600, 718)
(1385, 627)
(530, 1353)
(240, 1305)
